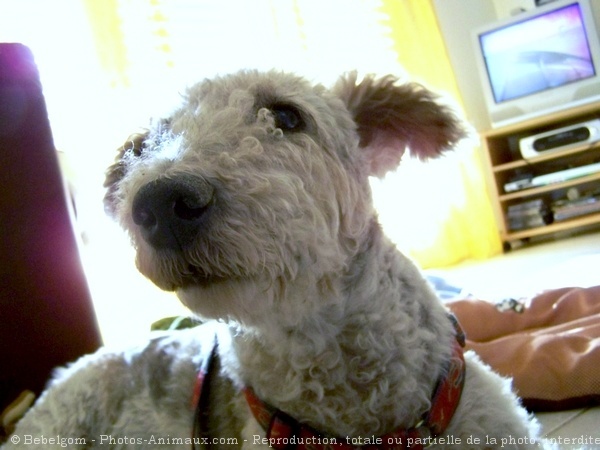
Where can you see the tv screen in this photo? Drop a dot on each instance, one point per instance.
(536, 54)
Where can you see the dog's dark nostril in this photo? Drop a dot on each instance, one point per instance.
(188, 208)
(170, 211)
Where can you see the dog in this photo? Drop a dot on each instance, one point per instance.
(252, 202)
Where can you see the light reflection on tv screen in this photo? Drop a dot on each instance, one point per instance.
(537, 54)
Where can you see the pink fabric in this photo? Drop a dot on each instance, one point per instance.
(551, 349)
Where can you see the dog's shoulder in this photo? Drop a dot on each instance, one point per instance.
(126, 392)
(161, 352)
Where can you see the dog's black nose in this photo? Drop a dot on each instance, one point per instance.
(170, 211)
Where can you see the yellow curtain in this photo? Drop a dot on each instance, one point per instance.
(108, 37)
(469, 230)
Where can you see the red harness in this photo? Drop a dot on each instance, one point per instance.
(285, 432)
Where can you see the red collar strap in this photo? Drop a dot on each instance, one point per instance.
(284, 432)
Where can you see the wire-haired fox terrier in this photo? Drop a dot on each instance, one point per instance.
(252, 202)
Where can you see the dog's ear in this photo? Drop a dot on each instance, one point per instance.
(134, 145)
(392, 117)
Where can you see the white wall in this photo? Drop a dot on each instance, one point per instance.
(506, 8)
(456, 19)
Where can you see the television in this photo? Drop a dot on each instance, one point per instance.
(539, 61)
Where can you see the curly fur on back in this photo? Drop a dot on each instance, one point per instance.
(322, 315)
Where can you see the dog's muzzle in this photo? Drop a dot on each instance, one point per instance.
(171, 211)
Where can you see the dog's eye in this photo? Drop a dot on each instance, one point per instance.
(287, 117)
(138, 149)
(136, 143)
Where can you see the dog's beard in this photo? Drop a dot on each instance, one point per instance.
(171, 270)
(259, 302)
(246, 291)
(223, 252)
(233, 298)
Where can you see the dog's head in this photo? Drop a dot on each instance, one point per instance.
(256, 188)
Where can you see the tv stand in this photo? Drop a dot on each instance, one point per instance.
(524, 210)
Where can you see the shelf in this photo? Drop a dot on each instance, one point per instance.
(519, 163)
(504, 163)
(553, 228)
(550, 187)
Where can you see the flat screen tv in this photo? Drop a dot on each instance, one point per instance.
(540, 61)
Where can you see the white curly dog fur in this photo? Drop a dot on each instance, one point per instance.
(252, 202)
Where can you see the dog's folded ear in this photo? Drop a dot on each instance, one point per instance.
(392, 117)
(116, 171)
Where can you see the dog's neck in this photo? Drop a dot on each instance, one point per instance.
(363, 369)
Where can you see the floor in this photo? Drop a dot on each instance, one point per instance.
(569, 262)
(561, 263)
